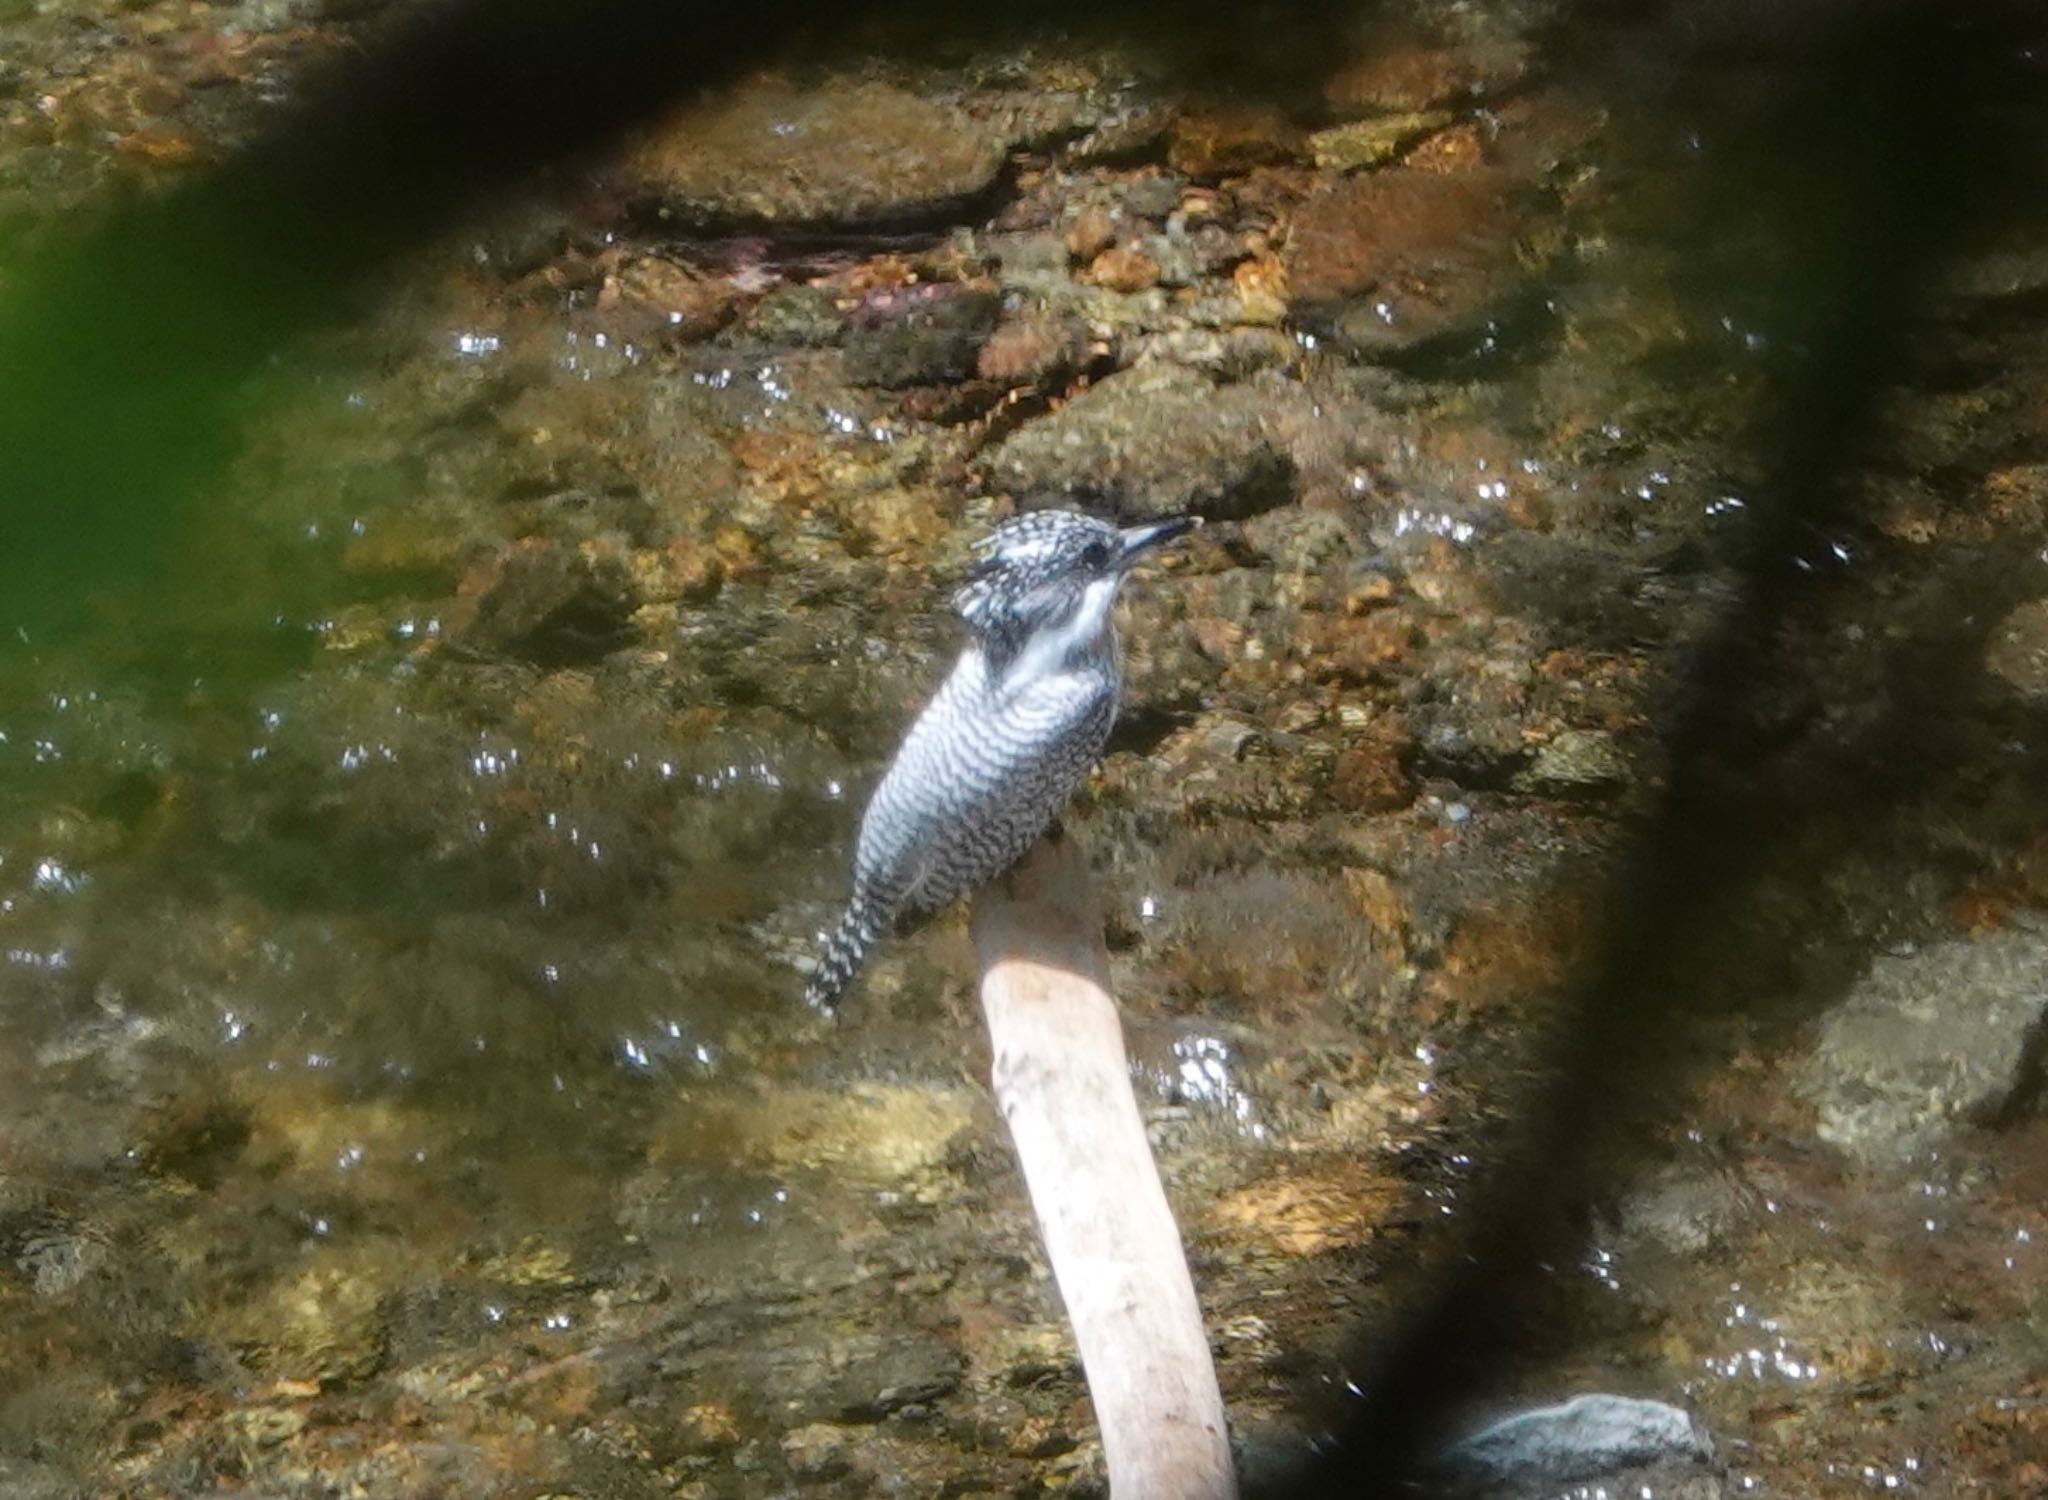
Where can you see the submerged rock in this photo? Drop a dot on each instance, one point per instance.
(819, 1450)
(1152, 440)
(1221, 142)
(920, 335)
(2018, 652)
(1593, 1437)
(1469, 720)
(1405, 77)
(1124, 268)
(1930, 1041)
(1370, 776)
(1681, 1213)
(775, 156)
(915, 1369)
(652, 298)
(1371, 143)
(1395, 258)
(1577, 763)
(554, 605)
(793, 317)
(1034, 349)
(1090, 232)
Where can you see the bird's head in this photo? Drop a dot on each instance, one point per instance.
(1051, 576)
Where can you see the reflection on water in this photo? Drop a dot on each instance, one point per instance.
(403, 1082)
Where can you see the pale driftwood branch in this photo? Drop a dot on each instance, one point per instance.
(1063, 1083)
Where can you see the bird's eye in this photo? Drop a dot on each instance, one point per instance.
(1095, 554)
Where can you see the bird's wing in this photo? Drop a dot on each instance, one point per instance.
(966, 786)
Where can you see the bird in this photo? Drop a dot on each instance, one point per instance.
(1018, 723)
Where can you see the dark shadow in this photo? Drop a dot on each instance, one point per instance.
(1877, 152)
(123, 343)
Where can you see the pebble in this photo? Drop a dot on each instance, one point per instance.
(1124, 268)
(1034, 349)
(1261, 286)
(1092, 231)
(1577, 761)
(818, 1450)
(1153, 196)
(793, 317)
(1368, 777)
(1127, 136)
(1030, 260)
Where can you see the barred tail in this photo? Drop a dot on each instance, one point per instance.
(845, 951)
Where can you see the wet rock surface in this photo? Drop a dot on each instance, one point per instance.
(403, 1089)
(1930, 1043)
(2019, 651)
(928, 339)
(1391, 260)
(777, 156)
(1154, 440)
(1614, 1440)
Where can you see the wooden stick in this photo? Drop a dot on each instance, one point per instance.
(1063, 1083)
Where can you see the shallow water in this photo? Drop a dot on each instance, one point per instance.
(404, 1085)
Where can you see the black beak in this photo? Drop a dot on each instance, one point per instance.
(1142, 538)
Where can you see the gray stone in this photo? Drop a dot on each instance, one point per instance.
(1030, 260)
(1152, 440)
(1577, 761)
(2013, 270)
(1468, 716)
(932, 337)
(1153, 197)
(1178, 261)
(1929, 1042)
(791, 317)
(818, 1450)
(1684, 1213)
(1592, 1437)
(2018, 651)
(916, 1372)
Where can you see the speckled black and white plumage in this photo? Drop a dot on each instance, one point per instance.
(1012, 732)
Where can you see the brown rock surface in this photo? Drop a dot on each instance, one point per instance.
(1414, 252)
(1222, 142)
(843, 153)
(1091, 232)
(1403, 78)
(1124, 268)
(1153, 440)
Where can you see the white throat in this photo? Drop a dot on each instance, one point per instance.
(1088, 631)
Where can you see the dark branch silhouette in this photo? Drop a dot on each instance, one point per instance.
(1879, 154)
